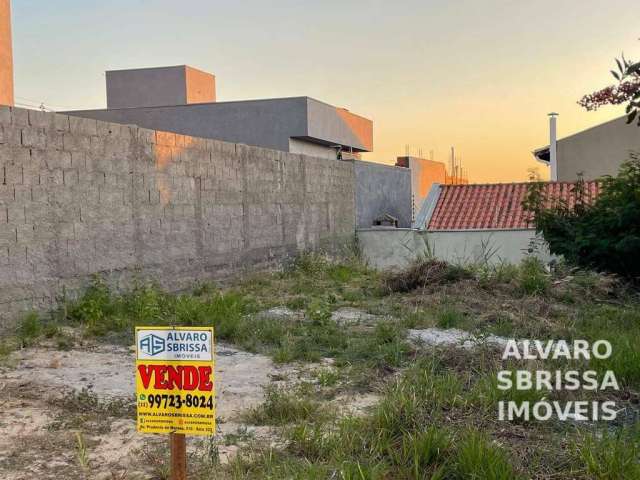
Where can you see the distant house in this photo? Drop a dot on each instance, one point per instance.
(475, 223)
(424, 174)
(183, 100)
(594, 152)
(469, 224)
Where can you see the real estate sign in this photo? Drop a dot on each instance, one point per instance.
(175, 380)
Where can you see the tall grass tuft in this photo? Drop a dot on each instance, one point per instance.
(29, 328)
(282, 406)
(478, 458)
(532, 277)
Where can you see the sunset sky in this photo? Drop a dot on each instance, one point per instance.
(477, 74)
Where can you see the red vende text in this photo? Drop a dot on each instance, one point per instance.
(183, 377)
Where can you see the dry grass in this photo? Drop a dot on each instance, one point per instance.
(424, 272)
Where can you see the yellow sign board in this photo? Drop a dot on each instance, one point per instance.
(175, 380)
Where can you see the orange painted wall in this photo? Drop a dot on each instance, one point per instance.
(361, 127)
(424, 173)
(201, 86)
(6, 54)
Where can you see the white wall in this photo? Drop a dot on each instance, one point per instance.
(492, 246)
(390, 248)
(396, 248)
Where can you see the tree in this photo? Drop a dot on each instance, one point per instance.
(627, 90)
(603, 234)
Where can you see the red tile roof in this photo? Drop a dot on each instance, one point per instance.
(494, 206)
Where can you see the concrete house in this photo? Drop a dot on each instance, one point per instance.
(594, 152)
(182, 99)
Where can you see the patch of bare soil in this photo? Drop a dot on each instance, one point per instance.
(351, 404)
(44, 435)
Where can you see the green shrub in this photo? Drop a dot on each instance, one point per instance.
(603, 234)
(93, 306)
(102, 312)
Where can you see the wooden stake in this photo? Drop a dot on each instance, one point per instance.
(178, 444)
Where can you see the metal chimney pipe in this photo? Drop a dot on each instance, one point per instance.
(553, 146)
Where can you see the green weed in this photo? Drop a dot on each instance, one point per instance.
(610, 456)
(327, 377)
(29, 329)
(449, 317)
(82, 454)
(532, 277)
(311, 263)
(490, 275)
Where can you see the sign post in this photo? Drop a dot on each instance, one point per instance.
(175, 386)
(178, 444)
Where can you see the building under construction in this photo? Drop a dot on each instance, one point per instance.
(427, 172)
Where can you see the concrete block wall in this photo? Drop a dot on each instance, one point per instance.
(80, 197)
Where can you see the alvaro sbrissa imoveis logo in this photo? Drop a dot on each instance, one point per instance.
(528, 390)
